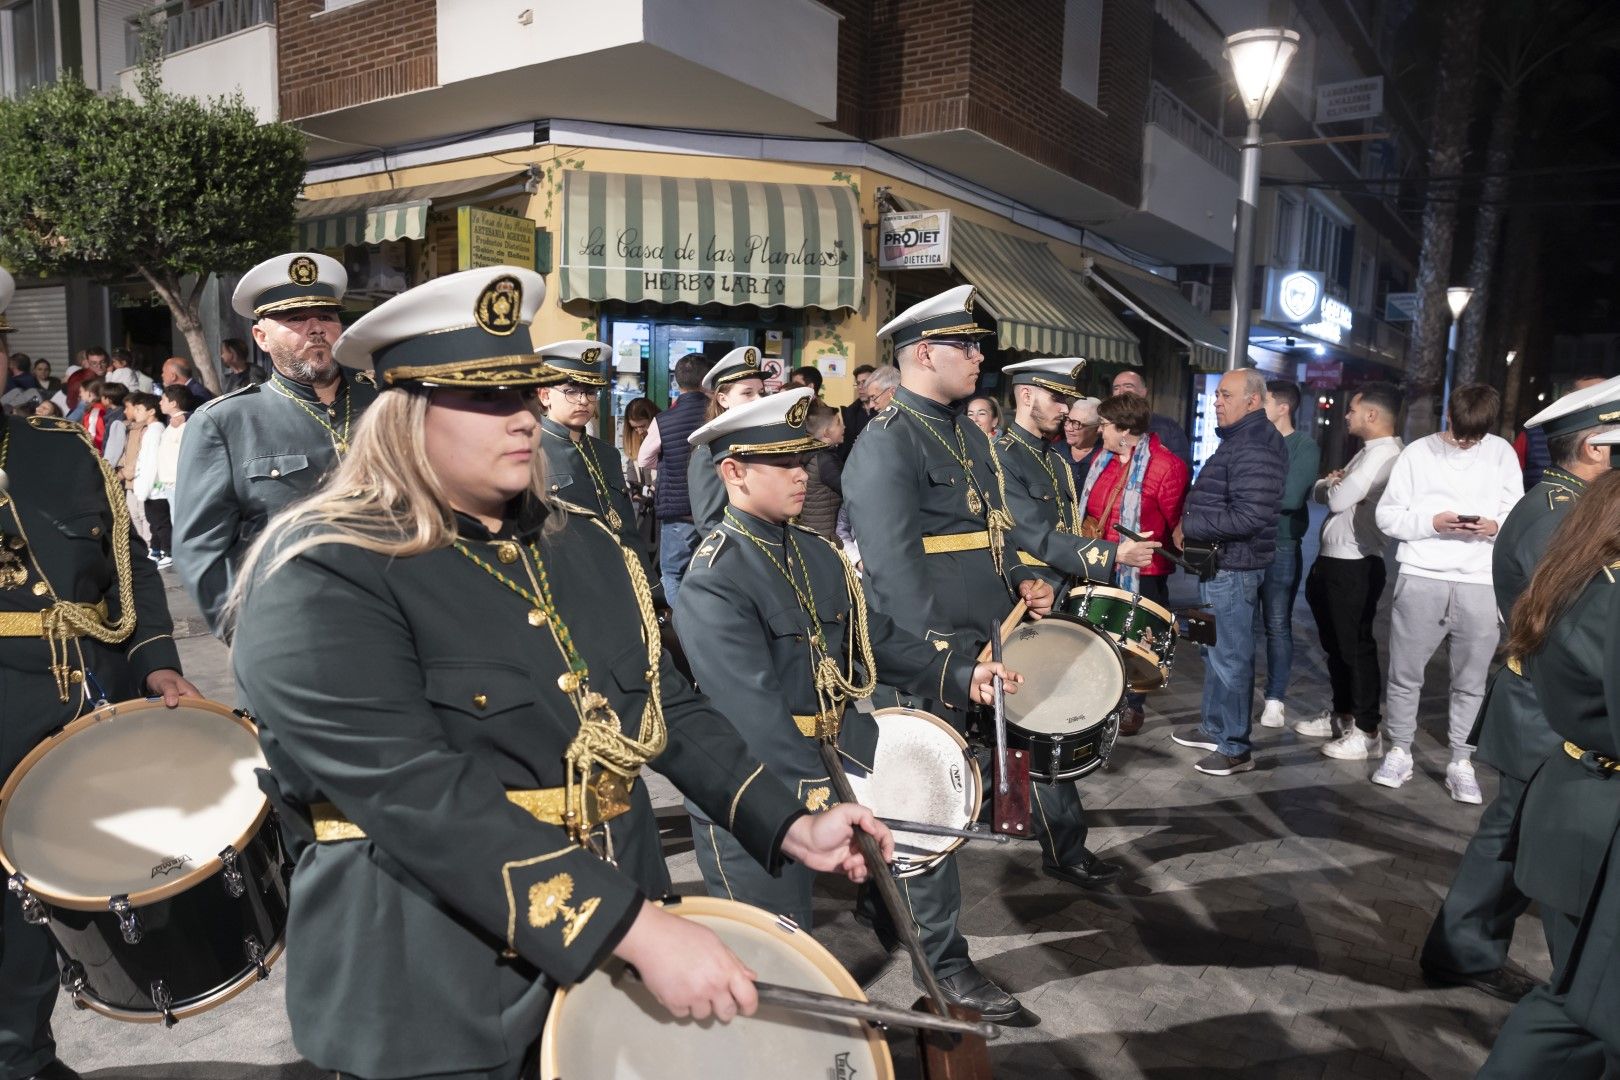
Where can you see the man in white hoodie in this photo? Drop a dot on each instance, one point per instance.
(1445, 497)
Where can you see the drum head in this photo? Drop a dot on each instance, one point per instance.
(133, 798)
(923, 772)
(613, 1028)
(1073, 675)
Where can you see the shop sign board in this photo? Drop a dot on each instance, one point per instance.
(914, 240)
(1400, 306)
(1356, 99)
(1294, 296)
(487, 238)
(1323, 374)
(1335, 322)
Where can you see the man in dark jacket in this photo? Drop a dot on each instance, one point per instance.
(677, 535)
(1234, 505)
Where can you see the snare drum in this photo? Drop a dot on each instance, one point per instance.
(1145, 631)
(138, 837)
(1067, 710)
(923, 772)
(612, 1028)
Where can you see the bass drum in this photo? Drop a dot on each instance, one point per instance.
(609, 1027)
(138, 837)
(1067, 710)
(923, 772)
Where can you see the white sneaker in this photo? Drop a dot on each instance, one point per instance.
(1324, 726)
(1460, 782)
(165, 562)
(1354, 745)
(1272, 714)
(1396, 769)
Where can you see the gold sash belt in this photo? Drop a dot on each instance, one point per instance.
(820, 726)
(1580, 755)
(973, 541)
(32, 623)
(606, 797)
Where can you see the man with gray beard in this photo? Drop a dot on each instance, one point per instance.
(249, 453)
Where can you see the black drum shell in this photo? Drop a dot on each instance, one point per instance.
(1067, 755)
(194, 941)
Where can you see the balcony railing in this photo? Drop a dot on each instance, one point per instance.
(180, 26)
(1192, 130)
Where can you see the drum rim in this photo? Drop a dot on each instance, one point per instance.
(214, 998)
(813, 950)
(111, 711)
(1153, 607)
(974, 773)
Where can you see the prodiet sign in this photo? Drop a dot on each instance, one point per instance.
(914, 240)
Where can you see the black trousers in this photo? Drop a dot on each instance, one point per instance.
(161, 524)
(1474, 927)
(1343, 595)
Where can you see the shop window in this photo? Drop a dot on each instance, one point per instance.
(378, 272)
(1285, 249)
(27, 47)
(1082, 49)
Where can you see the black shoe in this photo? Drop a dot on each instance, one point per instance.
(1505, 983)
(56, 1071)
(1218, 764)
(1090, 873)
(1195, 738)
(970, 989)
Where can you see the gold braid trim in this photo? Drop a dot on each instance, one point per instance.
(998, 520)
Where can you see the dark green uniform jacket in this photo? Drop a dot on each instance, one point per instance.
(1046, 511)
(705, 489)
(1569, 827)
(747, 636)
(904, 482)
(57, 488)
(246, 455)
(571, 478)
(1511, 733)
(413, 701)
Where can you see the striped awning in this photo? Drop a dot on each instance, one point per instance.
(1162, 305)
(1040, 305)
(375, 216)
(669, 240)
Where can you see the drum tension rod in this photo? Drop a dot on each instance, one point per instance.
(923, 828)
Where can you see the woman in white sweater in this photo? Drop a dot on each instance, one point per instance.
(1444, 500)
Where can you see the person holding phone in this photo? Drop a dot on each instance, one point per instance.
(1445, 497)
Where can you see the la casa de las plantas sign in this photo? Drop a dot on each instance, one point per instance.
(756, 266)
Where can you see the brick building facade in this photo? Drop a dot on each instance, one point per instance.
(331, 60)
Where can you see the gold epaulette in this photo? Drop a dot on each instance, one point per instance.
(710, 548)
(884, 417)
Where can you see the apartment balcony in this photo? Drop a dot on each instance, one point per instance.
(1189, 187)
(209, 50)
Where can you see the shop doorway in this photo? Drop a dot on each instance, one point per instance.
(671, 341)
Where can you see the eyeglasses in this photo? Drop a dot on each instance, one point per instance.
(575, 392)
(969, 347)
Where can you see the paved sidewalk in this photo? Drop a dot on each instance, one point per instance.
(1268, 924)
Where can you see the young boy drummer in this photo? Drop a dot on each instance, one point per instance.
(782, 639)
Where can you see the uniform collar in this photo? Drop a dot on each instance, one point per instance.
(757, 527)
(304, 392)
(1553, 474)
(525, 517)
(561, 431)
(927, 406)
(1027, 437)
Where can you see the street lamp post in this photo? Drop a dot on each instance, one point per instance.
(1259, 60)
(1457, 298)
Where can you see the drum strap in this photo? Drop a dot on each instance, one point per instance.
(607, 796)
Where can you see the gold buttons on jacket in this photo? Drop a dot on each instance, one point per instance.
(40, 588)
(537, 617)
(480, 701)
(507, 552)
(95, 530)
(274, 473)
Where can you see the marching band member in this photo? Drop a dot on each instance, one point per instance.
(457, 736)
(736, 378)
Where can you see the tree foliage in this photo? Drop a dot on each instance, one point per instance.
(165, 188)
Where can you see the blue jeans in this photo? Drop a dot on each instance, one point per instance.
(1233, 596)
(1275, 617)
(677, 540)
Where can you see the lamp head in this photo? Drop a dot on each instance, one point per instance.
(1457, 298)
(1259, 60)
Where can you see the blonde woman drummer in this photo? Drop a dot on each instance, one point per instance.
(458, 682)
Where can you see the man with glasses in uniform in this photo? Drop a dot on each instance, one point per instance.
(249, 453)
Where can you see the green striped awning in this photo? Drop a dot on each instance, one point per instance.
(671, 240)
(372, 217)
(1163, 306)
(1040, 306)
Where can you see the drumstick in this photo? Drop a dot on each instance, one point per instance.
(1168, 552)
(1001, 718)
(1012, 620)
(809, 1001)
(923, 828)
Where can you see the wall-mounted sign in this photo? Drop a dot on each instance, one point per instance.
(486, 238)
(1323, 374)
(1294, 296)
(1353, 100)
(1335, 322)
(1400, 306)
(914, 240)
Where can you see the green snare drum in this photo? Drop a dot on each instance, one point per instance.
(1145, 631)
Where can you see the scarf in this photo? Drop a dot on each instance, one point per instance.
(1130, 505)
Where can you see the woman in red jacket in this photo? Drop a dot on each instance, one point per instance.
(1137, 483)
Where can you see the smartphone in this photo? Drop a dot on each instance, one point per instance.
(1468, 519)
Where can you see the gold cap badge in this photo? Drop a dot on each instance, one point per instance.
(303, 271)
(589, 356)
(498, 305)
(1078, 368)
(797, 412)
(751, 358)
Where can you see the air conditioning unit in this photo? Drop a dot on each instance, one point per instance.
(1197, 293)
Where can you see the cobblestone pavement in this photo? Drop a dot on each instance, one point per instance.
(1268, 924)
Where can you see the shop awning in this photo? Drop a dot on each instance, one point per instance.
(375, 216)
(1162, 304)
(1040, 306)
(669, 240)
